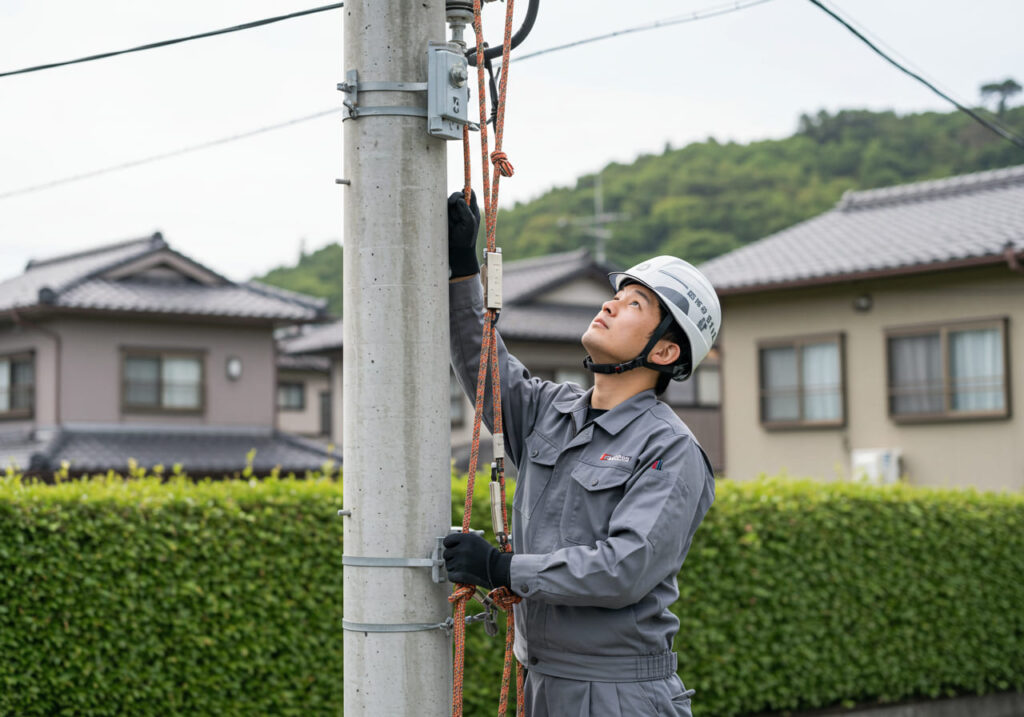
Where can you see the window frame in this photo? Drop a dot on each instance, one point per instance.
(796, 343)
(199, 355)
(700, 401)
(944, 329)
(302, 393)
(21, 414)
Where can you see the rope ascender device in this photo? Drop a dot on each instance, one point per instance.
(500, 166)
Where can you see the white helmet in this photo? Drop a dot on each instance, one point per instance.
(691, 302)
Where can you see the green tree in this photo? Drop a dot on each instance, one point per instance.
(1005, 89)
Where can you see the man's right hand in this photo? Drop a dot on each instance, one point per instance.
(463, 225)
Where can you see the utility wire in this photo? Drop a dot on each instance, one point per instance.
(678, 20)
(991, 125)
(224, 140)
(165, 155)
(175, 41)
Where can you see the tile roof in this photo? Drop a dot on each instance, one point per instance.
(211, 451)
(76, 281)
(545, 322)
(314, 339)
(522, 280)
(288, 362)
(906, 228)
(525, 278)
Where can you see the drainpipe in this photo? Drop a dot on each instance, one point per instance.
(23, 323)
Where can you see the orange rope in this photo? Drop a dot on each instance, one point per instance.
(503, 598)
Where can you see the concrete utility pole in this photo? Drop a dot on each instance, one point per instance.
(396, 403)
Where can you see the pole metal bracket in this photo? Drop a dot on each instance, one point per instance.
(446, 88)
(445, 626)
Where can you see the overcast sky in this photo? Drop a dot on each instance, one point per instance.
(243, 208)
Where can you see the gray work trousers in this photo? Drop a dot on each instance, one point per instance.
(548, 696)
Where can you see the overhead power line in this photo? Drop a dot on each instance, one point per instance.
(1003, 132)
(668, 22)
(698, 15)
(175, 41)
(166, 155)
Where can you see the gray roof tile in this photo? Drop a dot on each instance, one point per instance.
(525, 278)
(522, 280)
(75, 281)
(162, 297)
(314, 339)
(910, 226)
(199, 451)
(545, 322)
(57, 273)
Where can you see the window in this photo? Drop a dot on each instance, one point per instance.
(155, 381)
(17, 385)
(944, 372)
(291, 396)
(702, 389)
(802, 382)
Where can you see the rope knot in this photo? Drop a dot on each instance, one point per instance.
(500, 160)
(462, 593)
(504, 598)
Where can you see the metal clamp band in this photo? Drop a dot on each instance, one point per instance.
(388, 86)
(445, 626)
(370, 562)
(358, 111)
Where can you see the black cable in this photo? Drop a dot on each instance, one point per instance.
(165, 155)
(165, 43)
(696, 15)
(492, 52)
(993, 126)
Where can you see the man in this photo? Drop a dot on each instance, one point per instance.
(611, 487)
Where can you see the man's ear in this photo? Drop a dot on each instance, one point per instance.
(664, 353)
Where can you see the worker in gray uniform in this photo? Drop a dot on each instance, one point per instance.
(611, 488)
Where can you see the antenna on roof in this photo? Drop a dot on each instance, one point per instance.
(596, 227)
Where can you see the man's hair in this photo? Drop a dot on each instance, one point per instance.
(674, 334)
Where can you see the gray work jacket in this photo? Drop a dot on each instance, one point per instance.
(603, 515)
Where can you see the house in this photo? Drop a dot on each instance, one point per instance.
(135, 351)
(879, 338)
(548, 302)
(303, 388)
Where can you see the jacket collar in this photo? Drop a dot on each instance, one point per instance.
(612, 421)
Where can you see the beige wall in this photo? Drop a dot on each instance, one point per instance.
(18, 339)
(988, 454)
(307, 421)
(91, 370)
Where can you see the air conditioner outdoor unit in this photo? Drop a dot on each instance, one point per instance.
(879, 466)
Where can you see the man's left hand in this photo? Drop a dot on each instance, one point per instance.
(471, 560)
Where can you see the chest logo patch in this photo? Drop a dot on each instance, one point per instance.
(617, 458)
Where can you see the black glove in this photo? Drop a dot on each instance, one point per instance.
(471, 560)
(463, 225)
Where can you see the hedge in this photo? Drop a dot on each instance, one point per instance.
(157, 597)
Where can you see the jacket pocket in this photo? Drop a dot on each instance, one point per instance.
(593, 494)
(534, 474)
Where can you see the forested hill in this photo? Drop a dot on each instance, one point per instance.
(707, 198)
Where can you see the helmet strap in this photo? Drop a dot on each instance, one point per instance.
(640, 360)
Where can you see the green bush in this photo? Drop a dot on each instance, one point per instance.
(799, 595)
(140, 598)
(152, 598)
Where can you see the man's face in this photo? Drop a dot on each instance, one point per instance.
(623, 326)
